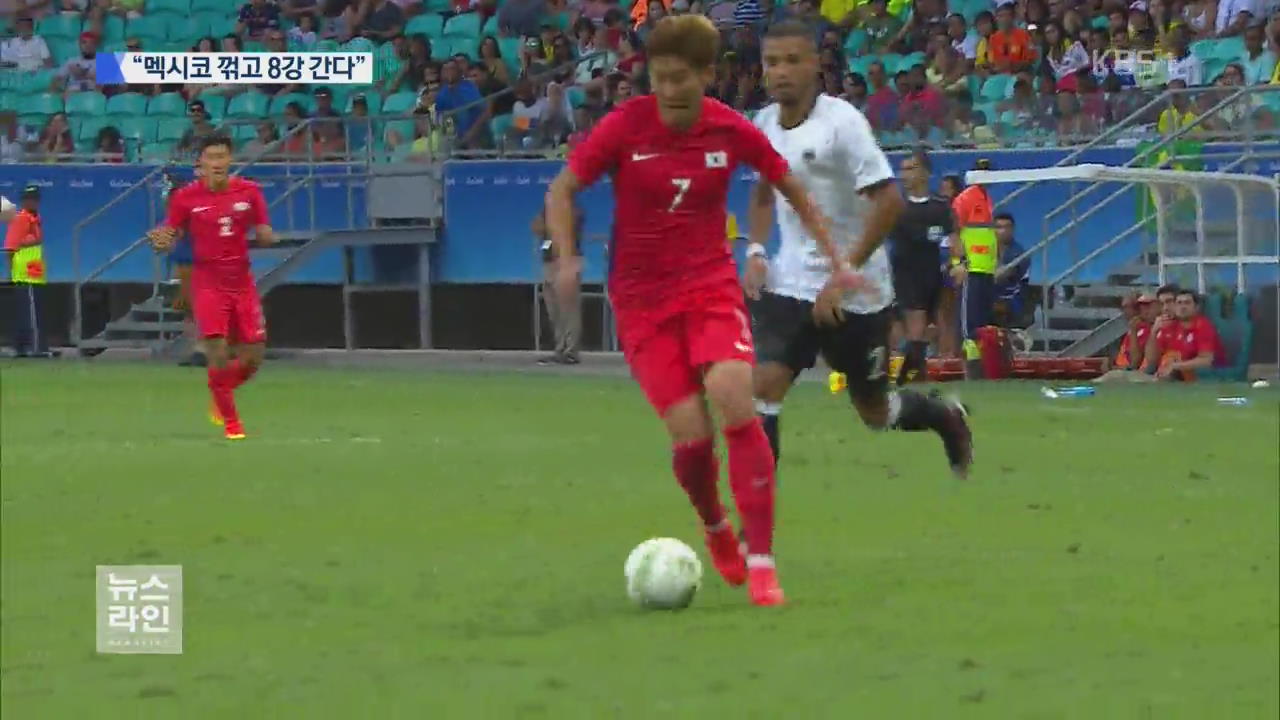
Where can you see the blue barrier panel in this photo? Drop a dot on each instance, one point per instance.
(488, 207)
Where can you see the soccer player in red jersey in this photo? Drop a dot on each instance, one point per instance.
(1197, 345)
(681, 316)
(218, 211)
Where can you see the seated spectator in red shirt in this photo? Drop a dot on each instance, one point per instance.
(1194, 346)
(1009, 47)
(1140, 311)
(1163, 329)
(882, 104)
(922, 104)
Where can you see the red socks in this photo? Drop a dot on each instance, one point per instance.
(222, 383)
(698, 473)
(751, 476)
(239, 372)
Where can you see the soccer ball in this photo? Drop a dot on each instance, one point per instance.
(663, 574)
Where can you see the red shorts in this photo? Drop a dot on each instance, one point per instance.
(234, 314)
(669, 354)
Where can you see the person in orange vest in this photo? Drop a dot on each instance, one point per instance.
(24, 248)
(974, 269)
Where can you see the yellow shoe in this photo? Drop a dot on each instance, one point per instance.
(215, 417)
(837, 382)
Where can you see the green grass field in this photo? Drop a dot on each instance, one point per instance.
(395, 544)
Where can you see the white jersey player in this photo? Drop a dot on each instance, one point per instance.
(800, 308)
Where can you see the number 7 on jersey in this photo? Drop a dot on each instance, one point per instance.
(682, 187)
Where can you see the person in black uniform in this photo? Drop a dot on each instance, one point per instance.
(917, 271)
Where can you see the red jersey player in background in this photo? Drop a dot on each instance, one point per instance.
(1194, 346)
(218, 211)
(681, 316)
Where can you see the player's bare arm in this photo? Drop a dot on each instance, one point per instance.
(162, 238)
(886, 205)
(760, 221)
(560, 225)
(264, 236)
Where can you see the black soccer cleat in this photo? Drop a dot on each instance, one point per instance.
(957, 439)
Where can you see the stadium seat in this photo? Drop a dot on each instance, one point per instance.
(171, 128)
(466, 25)
(150, 30)
(225, 8)
(438, 6)
(87, 103)
(171, 104)
(243, 132)
(280, 102)
(856, 43)
(465, 46)
(490, 28)
(34, 82)
(1236, 333)
(112, 29)
(327, 46)
(158, 152)
(126, 104)
(499, 125)
(359, 45)
(996, 87)
(180, 8)
(215, 104)
(187, 30)
(34, 121)
(372, 99)
(89, 128)
(66, 27)
(577, 96)
(442, 48)
(254, 46)
(428, 24)
(138, 129)
(222, 26)
(62, 50)
(249, 104)
(909, 61)
(399, 103)
(41, 104)
(8, 101)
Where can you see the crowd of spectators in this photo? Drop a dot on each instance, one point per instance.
(974, 73)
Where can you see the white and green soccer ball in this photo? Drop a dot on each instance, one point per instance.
(663, 574)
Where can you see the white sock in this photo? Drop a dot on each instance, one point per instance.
(760, 561)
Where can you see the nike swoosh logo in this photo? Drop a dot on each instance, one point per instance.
(742, 347)
(202, 208)
(637, 157)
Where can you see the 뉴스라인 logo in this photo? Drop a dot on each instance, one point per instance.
(139, 609)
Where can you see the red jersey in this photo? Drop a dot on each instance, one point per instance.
(1168, 341)
(218, 224)
(1198, 337)
(669, 190)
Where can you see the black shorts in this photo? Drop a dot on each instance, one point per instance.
(917, 286)
(858, 347)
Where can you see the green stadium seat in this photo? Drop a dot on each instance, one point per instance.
(158, 152)
(138, 129)
(323, 46)
(490, 28)
(224, 8)
(215, 104)
(171, 104)
(254, 46)
(510, 49)
(372, 99)
(90, 127)
(243, 132)
(34, 82)
(220, 27)
(187, 30)
(909, 61)
(181, 8)
(62, 50)
(280, 102)
(66, 27)
(891, 61)
(8, 101)
(577, 96)
(856, 43)
(126, 104)
(438, 6)
(465, 46)
(499, 125)
(996, 87)
(442, 48)
(150, 30)
(399, 103)
(35, 121)
(172, 128)
(428, 24)
(359, 44)
(41, 104)
(249, 104)
(112, 29)
(87, 103)
(466, 25)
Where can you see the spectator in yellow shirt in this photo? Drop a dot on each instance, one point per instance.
(1180, 115)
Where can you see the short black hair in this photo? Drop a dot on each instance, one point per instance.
(954, 180)
(1170, 289)
(215, 140)
(791, 29)
(1004, 216)
(1191, 294)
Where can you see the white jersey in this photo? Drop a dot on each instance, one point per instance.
(834, 155)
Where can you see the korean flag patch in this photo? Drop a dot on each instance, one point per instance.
(718, 159)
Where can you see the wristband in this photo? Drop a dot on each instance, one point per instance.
(755, 250)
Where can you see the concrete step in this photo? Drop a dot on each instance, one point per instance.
(1051, 335)
(1072, 312)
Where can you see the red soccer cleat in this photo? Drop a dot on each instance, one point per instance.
(763, 587)
(234, 431)
(726, 555)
